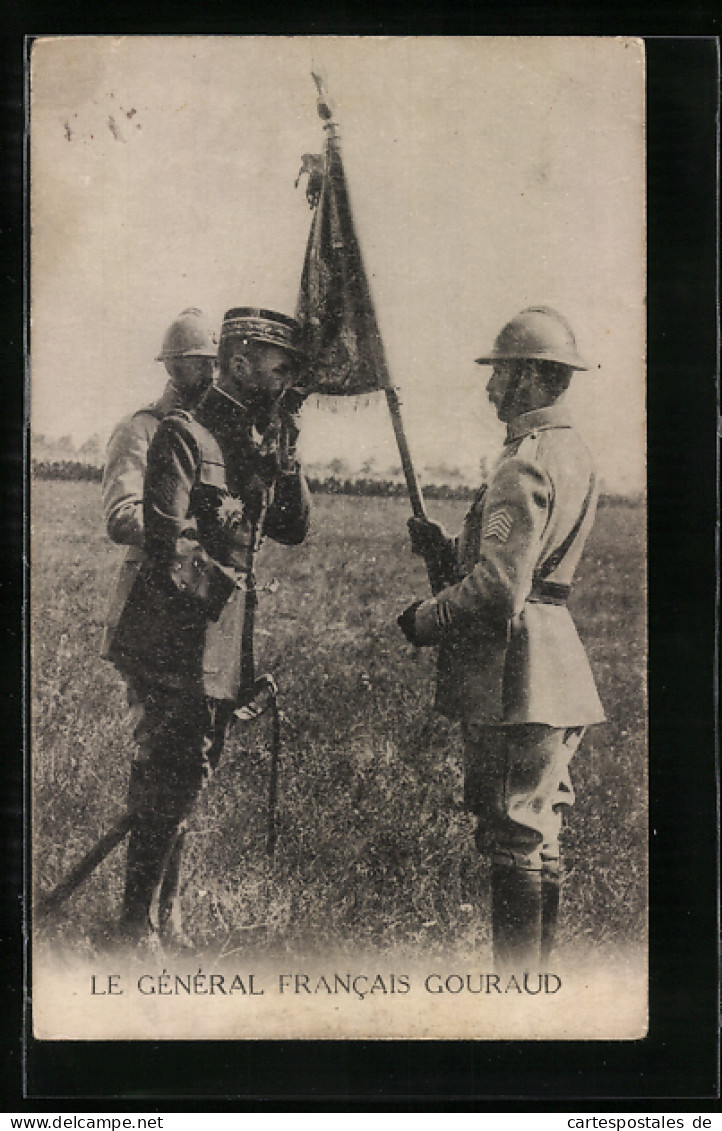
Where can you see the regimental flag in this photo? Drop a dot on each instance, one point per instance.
(339, 332)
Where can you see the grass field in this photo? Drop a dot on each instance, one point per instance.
(374, 850)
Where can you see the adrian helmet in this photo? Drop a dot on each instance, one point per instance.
(536, 333)
(188, 336)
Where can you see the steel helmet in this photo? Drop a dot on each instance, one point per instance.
(188, 336)
(536, 333)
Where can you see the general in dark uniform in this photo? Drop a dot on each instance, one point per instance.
(218, 482)
(512, 668)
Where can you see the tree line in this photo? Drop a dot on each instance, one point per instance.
(76, 470)
(70, 469)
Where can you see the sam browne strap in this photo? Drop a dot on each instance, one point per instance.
(557, 556)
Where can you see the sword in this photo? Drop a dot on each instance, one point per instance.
(97, 854)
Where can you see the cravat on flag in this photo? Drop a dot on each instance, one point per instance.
(339, 331)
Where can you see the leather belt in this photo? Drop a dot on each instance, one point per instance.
(549, 593)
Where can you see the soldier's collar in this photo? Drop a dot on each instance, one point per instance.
(169, 400)
(224, 411)
(237, 404)
(551, 416)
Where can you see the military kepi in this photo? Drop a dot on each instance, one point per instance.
(254, 324)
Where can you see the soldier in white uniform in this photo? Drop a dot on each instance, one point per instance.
(512, 668)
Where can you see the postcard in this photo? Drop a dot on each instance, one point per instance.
(299, 769)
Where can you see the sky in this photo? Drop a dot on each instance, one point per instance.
(486, 174)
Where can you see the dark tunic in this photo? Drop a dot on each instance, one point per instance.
(210, 496)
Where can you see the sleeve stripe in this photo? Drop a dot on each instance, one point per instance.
(444, 615)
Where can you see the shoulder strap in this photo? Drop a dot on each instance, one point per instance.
(558, 555)
(149, 410)
(207, 442)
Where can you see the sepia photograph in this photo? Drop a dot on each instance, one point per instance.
(337, 508)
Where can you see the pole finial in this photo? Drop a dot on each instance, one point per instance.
(323, 104)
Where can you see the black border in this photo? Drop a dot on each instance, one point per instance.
(12, 448)
(678, 1062)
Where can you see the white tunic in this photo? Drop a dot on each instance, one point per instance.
(507, 654)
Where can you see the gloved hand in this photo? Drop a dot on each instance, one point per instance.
(203, 581)
(291, 400)
(427, 537)
(407, 623)
(289, 411)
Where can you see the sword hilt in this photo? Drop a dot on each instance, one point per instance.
(255, 700)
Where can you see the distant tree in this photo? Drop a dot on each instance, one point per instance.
(367, 466)
(92, 450)
(91, 446)
(65, 444)
(338, 467)
(442, 471)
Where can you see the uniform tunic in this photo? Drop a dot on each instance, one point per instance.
(508, 654)
(511, 665)
(201, 471)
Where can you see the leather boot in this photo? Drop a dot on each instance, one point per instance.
(170, 923)
(550, 913)
(149, 847)
(516, 918)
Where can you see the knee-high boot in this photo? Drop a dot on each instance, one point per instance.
(169, 902)
(516, 910)
(149, 847)
(550, 888)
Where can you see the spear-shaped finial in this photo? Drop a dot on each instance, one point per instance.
(324, 105)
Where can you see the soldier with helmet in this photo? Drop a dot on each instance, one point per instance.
(218, 481)
(189, 352)
(511, 666)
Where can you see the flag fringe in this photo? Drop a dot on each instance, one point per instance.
(329, 403)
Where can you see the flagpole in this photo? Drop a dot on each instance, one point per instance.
(412, 483)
